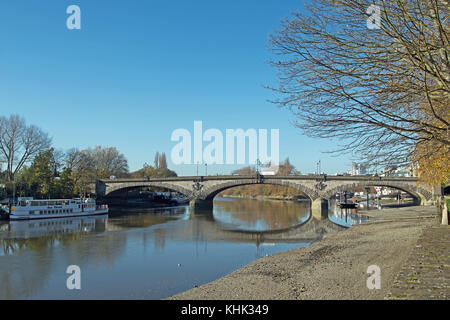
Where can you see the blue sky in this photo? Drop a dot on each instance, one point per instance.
(137, 70)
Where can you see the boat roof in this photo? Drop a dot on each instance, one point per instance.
(57, 199)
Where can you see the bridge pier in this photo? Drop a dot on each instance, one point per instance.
(424, 201)
(319, 209)
(198, 206)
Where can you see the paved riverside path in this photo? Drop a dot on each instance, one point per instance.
(336, 266)
(426, 274)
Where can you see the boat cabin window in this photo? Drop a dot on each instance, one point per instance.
(23, 203)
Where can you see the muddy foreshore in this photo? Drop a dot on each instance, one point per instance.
(332, 268)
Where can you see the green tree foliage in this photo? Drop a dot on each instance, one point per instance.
(42, 179)
(54, 174)
(43, 172)
(65, 185)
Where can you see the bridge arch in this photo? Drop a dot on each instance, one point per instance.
(203, 202)
(417, 192)
(446, 190)
(211, 192)
(131, 185)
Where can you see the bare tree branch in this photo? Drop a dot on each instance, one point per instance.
(381, 92)
(19, 143)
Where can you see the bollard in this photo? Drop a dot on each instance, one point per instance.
(445, 215)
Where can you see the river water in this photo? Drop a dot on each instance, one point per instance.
(142, 253)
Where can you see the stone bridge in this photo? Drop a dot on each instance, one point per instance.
(201, 190)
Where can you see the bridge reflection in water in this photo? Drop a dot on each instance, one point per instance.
(148, 254)
(256, 215)
(345, 216)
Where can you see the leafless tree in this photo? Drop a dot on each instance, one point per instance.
(157, 157)
(109, 161)
(19, 143)
(96, 163)
(162, 161)
(380, 92)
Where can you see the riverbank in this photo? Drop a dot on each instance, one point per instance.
(333, 268)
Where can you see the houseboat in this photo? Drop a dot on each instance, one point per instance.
(29, 208)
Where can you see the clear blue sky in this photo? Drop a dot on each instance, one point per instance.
(137, 70)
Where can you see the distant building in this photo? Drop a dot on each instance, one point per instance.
(270, 171)
(405, 171)
(358, 169)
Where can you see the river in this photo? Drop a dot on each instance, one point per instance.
(143, 253)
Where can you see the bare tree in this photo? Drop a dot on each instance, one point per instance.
(109, 161)
(20, 143)
(157, 157)
(58, 160)
(162, 161)
(381, 92)
(82, 167)
(90, 164)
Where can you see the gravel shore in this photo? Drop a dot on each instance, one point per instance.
(332, 268)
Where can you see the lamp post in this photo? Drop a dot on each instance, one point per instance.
(258, 164)
(206, 169)
(367, 197)
(318, 164)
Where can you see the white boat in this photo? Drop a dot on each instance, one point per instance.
(29, 208)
